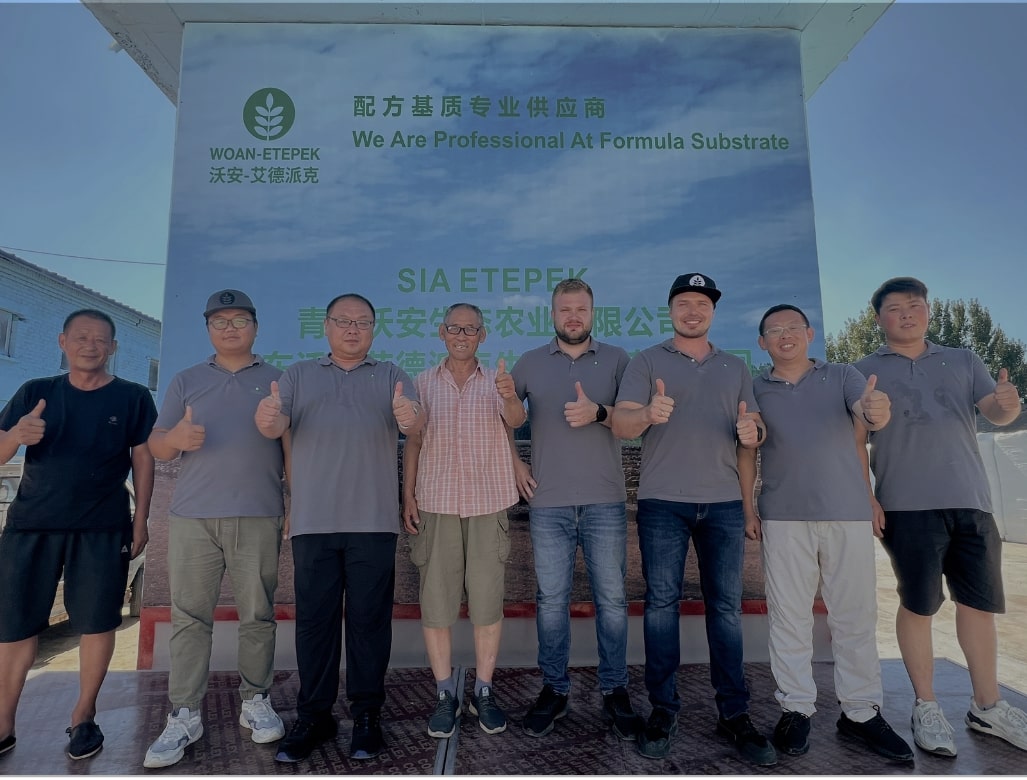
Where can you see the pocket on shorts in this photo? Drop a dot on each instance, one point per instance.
(503, 531)
(419, 544)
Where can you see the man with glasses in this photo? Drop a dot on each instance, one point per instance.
(82, 432)
(458, 482)
(693, 406)
(815, 523)
(344, 412)
(575, 487)
(226, 515)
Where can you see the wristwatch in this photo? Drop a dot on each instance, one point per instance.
(601, 413)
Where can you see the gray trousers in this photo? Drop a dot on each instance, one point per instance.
(199, 553)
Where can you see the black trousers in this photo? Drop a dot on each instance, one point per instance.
(358, 571)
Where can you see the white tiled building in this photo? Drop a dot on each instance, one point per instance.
(33, 305)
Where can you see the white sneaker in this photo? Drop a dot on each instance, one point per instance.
(183, 729)
(931, 731)
(259, 716)
(1002, 720)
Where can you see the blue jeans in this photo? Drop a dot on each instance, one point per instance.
(718, 533)
(556, 532)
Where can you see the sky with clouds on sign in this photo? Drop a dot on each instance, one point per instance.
(914, 145)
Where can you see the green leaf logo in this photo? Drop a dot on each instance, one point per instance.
(268, 114)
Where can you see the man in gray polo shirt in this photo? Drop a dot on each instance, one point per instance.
(344, 412)
(934, 492)
(576, 490)
(693, 406)
(815, 524)
(226, 515)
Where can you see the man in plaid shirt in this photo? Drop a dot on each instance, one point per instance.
(458, 482)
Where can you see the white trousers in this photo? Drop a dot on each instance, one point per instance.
(839, 557)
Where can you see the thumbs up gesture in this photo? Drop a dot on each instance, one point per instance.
(504, 382)
(660, 407)
(31, 427)
(269, 408)
(875, 404)
(186, 436)
(403, 409)
(746, 428)
(582, 410)
(1006, 394)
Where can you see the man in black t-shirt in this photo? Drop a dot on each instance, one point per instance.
(83, 432)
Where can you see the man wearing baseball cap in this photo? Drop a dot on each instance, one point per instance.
(693, 406)
(226, 514)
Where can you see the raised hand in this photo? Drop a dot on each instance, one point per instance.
(746, 428)
(186, 436)
(1006, 394)
(504, 381)
(269, 408)
(875, 404)
(403, 409)
(32, 426)
(582, 410)
(660, 407)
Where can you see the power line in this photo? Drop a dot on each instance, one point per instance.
(81, 257)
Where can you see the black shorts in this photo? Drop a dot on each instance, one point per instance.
(962, 544)
(95, 568)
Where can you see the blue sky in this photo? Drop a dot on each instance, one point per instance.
(915, 151)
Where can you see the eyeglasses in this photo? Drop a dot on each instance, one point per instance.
(470, 330)
(791, 330)
(238, 323)
(358, 324)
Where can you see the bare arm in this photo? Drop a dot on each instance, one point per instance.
(1003, 405)
(411, 454)
(860, 431)
(747, 481)
(142, 482)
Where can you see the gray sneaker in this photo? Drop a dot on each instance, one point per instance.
(183, 729)
(442, 723)
(490, 717)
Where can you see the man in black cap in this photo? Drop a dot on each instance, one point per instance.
(226, 515)
(693, 406)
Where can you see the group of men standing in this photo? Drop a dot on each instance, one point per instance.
(240, 425)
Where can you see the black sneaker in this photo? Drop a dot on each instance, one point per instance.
(547, 709)
(490, 717)
(368, 741)
(654, 739)
(791, 735)
(305, 735)
(7, 743)
(753, 746)
(878, 736)
(618, 713)
(86, 740)
(442, 723)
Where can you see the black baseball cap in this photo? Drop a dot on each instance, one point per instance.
(695, 282)
(229, 299)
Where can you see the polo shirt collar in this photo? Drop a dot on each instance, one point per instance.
(669, 346)
(767, 373)
(932, 349)
(212, 360)
(326, 360)
(593, 346)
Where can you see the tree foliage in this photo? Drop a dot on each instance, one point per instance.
(953, 324)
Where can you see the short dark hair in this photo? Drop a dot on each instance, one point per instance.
(469, 307)
(899, 284)
(353, 296)
(93, 314)
(782, 307)
(573, 285)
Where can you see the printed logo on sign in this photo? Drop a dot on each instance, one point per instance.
(268, 114)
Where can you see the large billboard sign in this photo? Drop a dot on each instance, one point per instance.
(422, 165)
